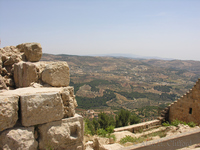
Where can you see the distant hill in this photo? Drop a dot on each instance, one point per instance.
(134, 84)
(189, 65)
(131, 56)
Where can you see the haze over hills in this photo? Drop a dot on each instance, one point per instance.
(139, 85)
(131, 56)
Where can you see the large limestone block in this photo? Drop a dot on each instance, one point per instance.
(8, 111)
(56, 74)
(40, 67)
(18, 139)
(20, 47)
(24, 74)
(66, 134)
(32, 51)
(41, 108)
(69, 101)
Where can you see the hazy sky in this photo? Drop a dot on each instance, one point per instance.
(163, 28)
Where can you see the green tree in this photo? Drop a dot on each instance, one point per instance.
(134, 119)
(90, 127)
(105, 120)
(95, 124)
(123, 118)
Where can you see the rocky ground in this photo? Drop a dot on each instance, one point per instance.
(95, 142)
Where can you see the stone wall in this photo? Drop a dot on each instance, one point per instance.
(179, 141)
(186, 108)
(37, 105)
(140, 126)
(20, 67)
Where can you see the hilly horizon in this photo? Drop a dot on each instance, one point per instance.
(111, 83)
(125, 55)
(157, 61)
(130, 56)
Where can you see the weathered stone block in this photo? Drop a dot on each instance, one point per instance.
(18, 138)
(66, 134)
(8, 112)
(69, 101)
(32, 51)
(2, 83)
(41, 108)
(13, 59)
(24, 74)
(56, 74)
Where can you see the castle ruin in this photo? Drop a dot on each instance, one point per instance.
(37, 105)
(186, 108)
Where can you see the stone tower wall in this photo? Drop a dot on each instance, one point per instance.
(186, 108)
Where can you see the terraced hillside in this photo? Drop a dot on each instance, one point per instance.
(143, 86)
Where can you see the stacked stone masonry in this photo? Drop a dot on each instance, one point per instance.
(186, 108)
(37, 105)
(140, 126)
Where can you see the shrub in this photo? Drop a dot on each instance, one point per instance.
(89, 127)
(110, 129)
(166, 123)
(86, 129)
(128, 138)
(111, 136)
(176, 122)
(102, 132)
(192, 124)
(159, 133)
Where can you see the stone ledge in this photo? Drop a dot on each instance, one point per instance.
(28, 90)
(173, 142)
(137, 127)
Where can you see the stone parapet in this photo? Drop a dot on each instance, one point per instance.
(140, 126)
(37, 105)
(20, 66)
(40, 116)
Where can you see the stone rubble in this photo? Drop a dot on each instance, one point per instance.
(20, 67)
